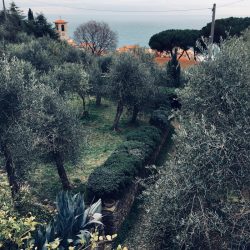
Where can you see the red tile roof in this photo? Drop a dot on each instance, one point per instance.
(60, 21)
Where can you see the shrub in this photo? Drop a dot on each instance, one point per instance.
(201, 200)
(13, 228)
(111, 179)
(160, 119)
(72, 225)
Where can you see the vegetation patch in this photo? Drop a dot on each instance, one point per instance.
(111, 179)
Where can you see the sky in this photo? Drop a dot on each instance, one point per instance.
(136, 25)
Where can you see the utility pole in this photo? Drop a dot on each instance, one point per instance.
(4, 10)
(211, 38)
(213, 25)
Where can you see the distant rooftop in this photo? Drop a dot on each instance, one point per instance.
(60, 21)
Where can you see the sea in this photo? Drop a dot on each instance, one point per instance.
(138, 31)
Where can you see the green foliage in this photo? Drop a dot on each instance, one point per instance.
(45, 54)
(30, 16)
(169, 39)
(70, 78)
(20, 100)
(148, 135)
(98, 72)
(14, 229)
(111, 179)
(72, 225)
(202, 192)
(232, 26)
(174, 71)
(16, 23)
(163, 97)
(13, 24)
(160, 118)
(130, 84)
(129, 80)
(41, 28)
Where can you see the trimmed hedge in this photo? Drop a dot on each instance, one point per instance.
(111, 179)
(160, 119)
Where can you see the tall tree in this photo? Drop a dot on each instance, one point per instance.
(98, 73)
(202, 196)
(130, 84)
(174, 70)
(60, 134)
(19, 103)
(72, 79)
(96, 37)
(232, 26)
(44, 28)
(169, 39)
(30, 16)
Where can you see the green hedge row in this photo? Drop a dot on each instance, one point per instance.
(160, 118)
(111, 179)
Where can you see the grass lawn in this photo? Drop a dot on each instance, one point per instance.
(99, 143)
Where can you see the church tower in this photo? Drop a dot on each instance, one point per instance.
(62, 29)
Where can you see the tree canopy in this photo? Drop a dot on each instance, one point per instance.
(204, 187)
(130, 84)
(232, 26)
(16, 23)
(96, 37)
(169, 39)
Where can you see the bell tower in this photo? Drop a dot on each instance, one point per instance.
(62, 29)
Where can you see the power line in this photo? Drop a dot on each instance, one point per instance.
(144, 11)
(232, 3)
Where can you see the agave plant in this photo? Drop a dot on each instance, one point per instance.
(72, 224)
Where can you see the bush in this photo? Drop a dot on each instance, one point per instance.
(201, 198)
(160, 119)
(13, 228)
(112, 178)
(72, 223)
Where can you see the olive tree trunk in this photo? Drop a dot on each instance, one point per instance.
(119, 111)
(10, 170)
(61, 171)
(135, 114)
(98, 100)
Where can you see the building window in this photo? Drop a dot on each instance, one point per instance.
(57, 28)
(63, 29)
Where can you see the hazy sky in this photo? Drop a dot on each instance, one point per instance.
(75, 12)
(65, 7)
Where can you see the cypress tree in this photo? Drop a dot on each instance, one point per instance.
(174, 70)
(30, 16)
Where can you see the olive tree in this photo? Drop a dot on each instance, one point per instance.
(130, 84)
(71, 78)
(202, 196)
(96, 37)
(98, 72)
(60, 134)
(19, 104)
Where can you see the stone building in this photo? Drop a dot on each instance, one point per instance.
(62, 29)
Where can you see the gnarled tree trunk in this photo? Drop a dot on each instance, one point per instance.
(119, 111)
(135, 114)
(10, 169)
(61, 171)
(98, 100)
